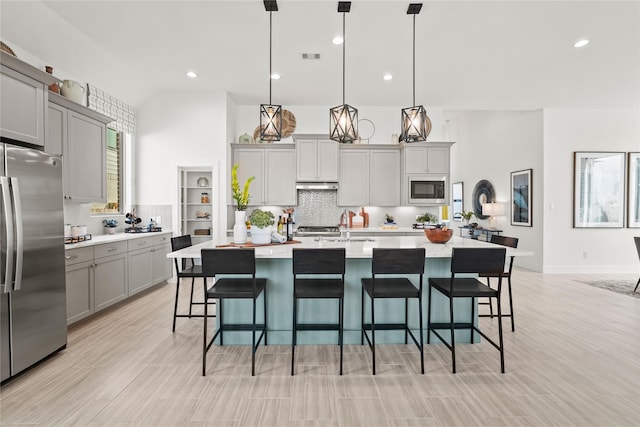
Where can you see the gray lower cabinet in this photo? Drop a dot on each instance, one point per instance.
(104, 274)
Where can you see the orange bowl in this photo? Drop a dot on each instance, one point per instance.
(438, 235)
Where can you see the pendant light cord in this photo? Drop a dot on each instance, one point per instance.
(270, 48)
(414, 59)
(344, 42)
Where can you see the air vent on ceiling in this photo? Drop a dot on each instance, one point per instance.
(311, 56)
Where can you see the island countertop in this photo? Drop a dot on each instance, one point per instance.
(356, 247)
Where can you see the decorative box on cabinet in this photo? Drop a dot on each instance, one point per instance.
(274, 169)
(83, 134)
(369, 176)
(23, 103)
(316, 158)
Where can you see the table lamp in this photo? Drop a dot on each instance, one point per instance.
(493, 210)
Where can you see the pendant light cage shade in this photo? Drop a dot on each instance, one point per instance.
(414, 124)
(270, 122)
(343, 123)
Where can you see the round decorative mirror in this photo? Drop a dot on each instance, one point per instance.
(483, 192)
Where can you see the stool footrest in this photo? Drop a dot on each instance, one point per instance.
(317, 327)
(386, 326)
(456, 325)
(241, 327)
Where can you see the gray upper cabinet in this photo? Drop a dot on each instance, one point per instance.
(369, 176)
(23, 103)
(83, 135)
(316, 158)
(274, 169)
(426, 158)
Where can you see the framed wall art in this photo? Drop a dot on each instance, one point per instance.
(457, 196)
(633, 200)
(598, 189)
(521, 197)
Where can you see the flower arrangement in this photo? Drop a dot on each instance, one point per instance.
(241, 198)
(261, 219)
(110, 223)
(467, 215)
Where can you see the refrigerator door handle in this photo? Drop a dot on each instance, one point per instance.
(15, 191)
(8, 214)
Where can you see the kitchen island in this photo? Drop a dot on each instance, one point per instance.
(274, 263)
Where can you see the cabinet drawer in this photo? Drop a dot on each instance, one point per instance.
(74, 256)
(140, 243)
(162, 239)
(109, 249)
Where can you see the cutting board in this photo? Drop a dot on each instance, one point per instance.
(251, 245)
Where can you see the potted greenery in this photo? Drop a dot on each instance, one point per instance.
(389, 219)
(242, 200)
(261, 226)
(110, 225)
(466, 216)
(427, 218)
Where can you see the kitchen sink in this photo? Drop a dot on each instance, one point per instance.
(341, 239)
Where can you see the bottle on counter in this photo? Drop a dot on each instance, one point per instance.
(280, 225)
(289, 228)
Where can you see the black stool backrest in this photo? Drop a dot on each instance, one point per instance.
(178, 243)
(478, 260)
(512, 242)
(318, 261)
(637, 240)
(398, 261)
(228, 261)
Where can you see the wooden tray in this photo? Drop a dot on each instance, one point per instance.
(251, 245)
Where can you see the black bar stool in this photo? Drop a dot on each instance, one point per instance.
(390, 262)
(187, 269)
(310, 262)
(216, 262)
(469, 260)
(511, 242)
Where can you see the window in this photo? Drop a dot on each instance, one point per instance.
(114, 175)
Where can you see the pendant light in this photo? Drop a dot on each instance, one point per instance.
(343, 119)
(270, 115)
(415, 123)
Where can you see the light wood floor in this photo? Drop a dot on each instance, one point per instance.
(574, 360)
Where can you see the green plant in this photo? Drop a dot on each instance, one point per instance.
(467, 215)
(427, 217)
(261, 219)
(389, 218)
(241, 198)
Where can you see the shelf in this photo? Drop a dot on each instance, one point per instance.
(197, 204)
(197, 188)
(197, 220)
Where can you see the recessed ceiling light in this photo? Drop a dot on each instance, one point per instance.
(581, 43)
(387, 76)
(191, 74)
(275, 76)
(338, 40)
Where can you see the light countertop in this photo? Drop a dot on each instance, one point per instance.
(108, 238)
(354, 249)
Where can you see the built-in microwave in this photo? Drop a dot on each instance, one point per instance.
(427, 190)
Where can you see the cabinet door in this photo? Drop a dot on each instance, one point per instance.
(110, 275)
(251, 164)
(79, 278)
(384, 177)
(415, 160)
(327, 166)
(84, 159)
(354, 177)
(280, 176)
(161, 265)
(22, 106)
(438, 159)
(57, 129)
(140, 270)
(306, 160)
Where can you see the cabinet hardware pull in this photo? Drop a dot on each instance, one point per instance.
(142, 243)
(112, 249)
(71, 256)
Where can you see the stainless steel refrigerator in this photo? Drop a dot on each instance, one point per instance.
(32, 278)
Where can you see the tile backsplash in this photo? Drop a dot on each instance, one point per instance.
(80, 214)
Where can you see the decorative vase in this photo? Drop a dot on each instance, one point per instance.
(260, 236)
(240, 228)
(110, 230)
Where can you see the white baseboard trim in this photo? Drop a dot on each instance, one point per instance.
(580, 269)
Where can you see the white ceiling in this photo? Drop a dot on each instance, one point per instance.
(469, 54)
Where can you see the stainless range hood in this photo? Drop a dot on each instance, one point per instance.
(316, 186)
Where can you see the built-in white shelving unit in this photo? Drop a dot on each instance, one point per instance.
(196, 202)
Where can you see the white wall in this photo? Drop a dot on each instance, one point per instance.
(490, 145)
(179, 129)
(566, 131)
(315, 119)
